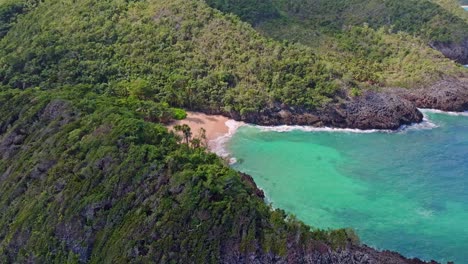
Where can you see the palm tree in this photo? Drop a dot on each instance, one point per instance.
(186, 131)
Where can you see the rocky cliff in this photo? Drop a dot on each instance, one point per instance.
(389, 108)
(457, 51)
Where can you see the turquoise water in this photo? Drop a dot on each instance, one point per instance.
(405, 191)
(466, 8)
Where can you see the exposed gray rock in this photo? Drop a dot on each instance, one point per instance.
(389, 108)
(446, 95)
(77, 239)
(372, 110)
(11, 143)
(319, 253)
(57, 110)
(457, 51)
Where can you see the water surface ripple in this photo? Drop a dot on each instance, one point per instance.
(405, 191)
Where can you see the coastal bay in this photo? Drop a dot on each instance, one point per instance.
(90, 173)
(403, 191)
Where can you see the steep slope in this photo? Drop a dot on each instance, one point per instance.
(84, 179)
(440, 23)
(181, 53)
(374, 45)
(188, 55)
(88, 174)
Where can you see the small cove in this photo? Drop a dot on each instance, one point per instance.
(405, 191)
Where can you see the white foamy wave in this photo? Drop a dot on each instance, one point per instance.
(285, 128)
(428, 110)
(425, 124)
(218, 145)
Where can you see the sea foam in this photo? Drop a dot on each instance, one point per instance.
(425, 124)
(428, 110)
(285, 128)
(218, 145)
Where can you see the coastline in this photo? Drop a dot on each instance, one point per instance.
(218, 129)
(214, 125)
(249, 143)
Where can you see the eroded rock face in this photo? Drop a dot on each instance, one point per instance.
(316, 252)
(455, 51)
(446, 95)
(388, 109)
(372, 110)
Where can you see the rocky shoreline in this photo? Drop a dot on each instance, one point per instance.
(389, 108)
(386, 109)
(457, 51)
(315, 251)
(446, 95)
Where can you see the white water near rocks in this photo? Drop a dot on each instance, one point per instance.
(405, 190)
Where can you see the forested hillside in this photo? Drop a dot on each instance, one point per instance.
(441, 24)
(85, 178)
(183, 54)
(88, 172)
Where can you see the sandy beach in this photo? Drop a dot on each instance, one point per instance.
(215, 125)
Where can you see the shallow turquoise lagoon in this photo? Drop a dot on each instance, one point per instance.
(405, 191)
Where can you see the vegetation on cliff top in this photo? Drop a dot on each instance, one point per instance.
(87, 171)
(369, 43)
(432, 20)
(85, 178)
(188, 55)
(178, 52)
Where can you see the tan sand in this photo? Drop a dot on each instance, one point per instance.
(215, 125)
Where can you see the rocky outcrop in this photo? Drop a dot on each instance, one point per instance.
(251, 183)
(453, 50)
(316, 252)
(445, 95)
(372, 110)
(389, 108)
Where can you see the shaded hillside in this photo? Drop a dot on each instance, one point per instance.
(441, 24)
(184, 54)
(88, 173)
(89, 180)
